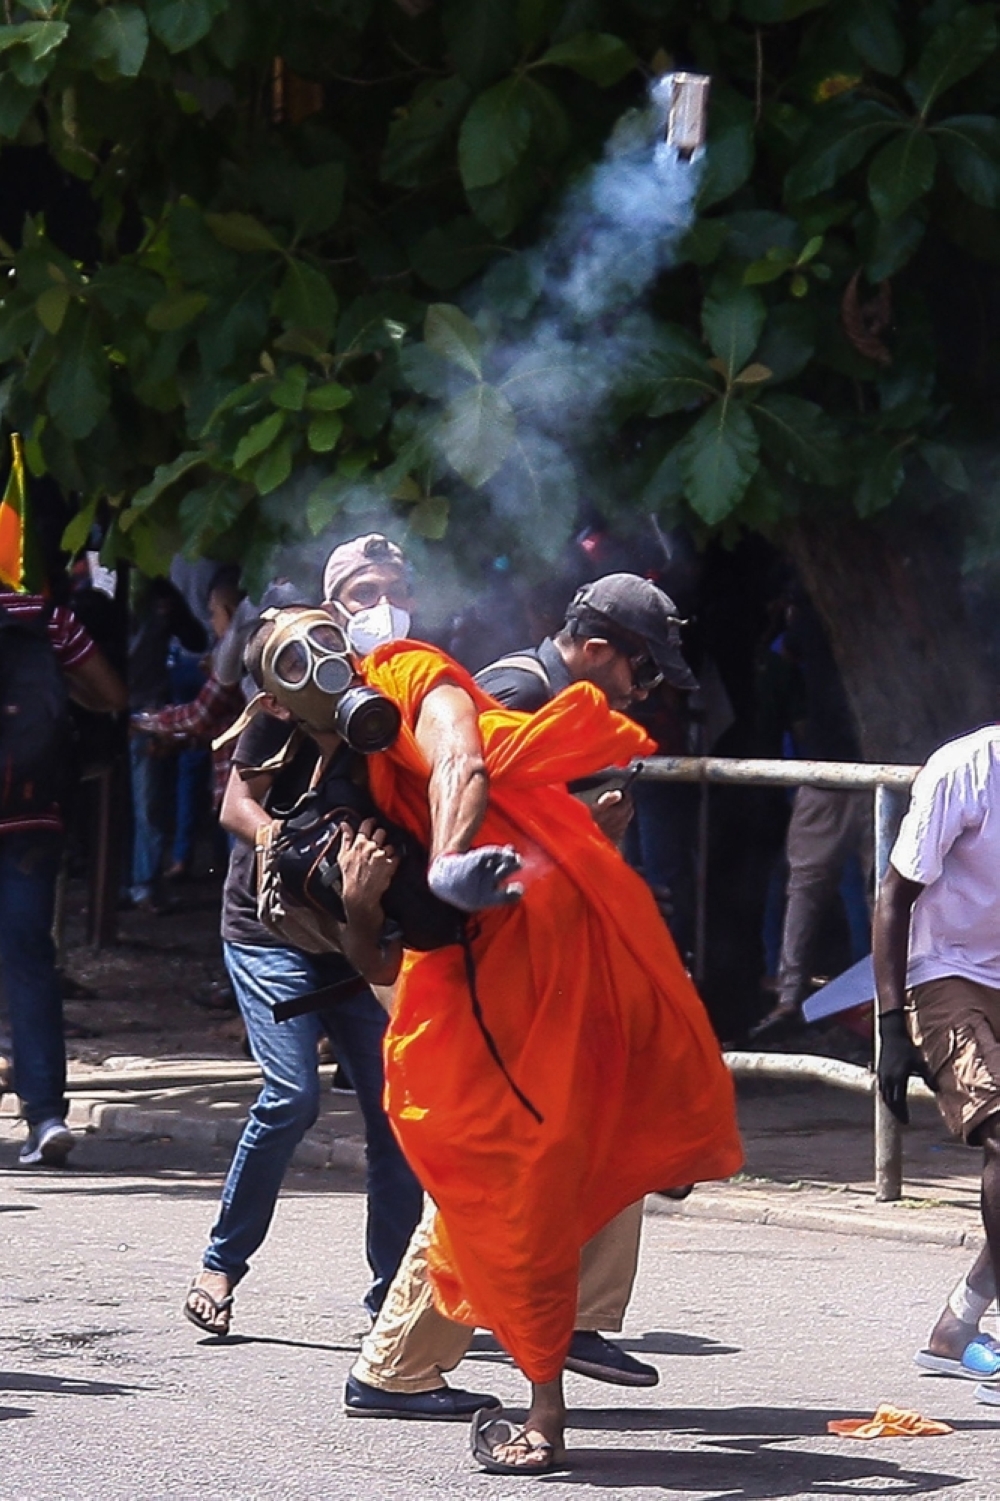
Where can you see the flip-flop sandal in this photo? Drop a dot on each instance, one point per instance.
(490, 1433)
(980, 1359)
(219, 1306)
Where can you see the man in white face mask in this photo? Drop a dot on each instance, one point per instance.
(366, 584)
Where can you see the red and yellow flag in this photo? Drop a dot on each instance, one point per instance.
(13, 518)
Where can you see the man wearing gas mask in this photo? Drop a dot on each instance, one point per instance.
(315, 667)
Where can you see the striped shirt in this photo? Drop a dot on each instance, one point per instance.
(72, 647)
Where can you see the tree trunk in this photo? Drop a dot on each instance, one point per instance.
(914, 673)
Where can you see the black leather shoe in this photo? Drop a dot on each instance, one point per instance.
(590, 1354)
(446, 1404)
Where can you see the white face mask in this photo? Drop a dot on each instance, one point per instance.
(376, 626)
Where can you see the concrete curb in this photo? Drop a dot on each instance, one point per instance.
(143, 1123)
(737, 1205)
(734, 1205)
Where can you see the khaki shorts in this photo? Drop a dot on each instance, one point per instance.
(956, 1024)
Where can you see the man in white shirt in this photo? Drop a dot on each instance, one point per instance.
(937, 969)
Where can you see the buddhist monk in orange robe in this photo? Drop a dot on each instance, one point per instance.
(561, 1065)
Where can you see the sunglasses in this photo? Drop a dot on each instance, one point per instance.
(645, 674)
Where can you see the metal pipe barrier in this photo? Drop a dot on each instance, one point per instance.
(890, 785)
(177, 1075)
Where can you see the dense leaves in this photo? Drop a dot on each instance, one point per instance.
(304, 271)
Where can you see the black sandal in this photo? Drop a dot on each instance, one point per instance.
(490, 1433)
(219, 1306)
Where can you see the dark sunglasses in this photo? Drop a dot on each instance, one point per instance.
(645, 674)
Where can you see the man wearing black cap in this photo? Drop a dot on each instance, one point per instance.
(622, 634)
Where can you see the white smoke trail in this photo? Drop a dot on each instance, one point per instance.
(616, 232)
(561, 356)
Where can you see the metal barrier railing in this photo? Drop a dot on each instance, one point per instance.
(890, 785)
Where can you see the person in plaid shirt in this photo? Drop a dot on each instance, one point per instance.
(216, 707)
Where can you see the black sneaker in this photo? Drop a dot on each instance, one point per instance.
(590, 1354)
(445, 1404)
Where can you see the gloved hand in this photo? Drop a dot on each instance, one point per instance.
(898, 1059)
(472, 881)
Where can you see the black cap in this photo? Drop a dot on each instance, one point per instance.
(637, 607)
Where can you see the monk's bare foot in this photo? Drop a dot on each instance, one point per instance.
(209, 1302)
(531, 1449)
(536, 1447)
(543, 1440)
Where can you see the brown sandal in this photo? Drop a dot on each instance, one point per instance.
(490, 1433)
(220, 1307)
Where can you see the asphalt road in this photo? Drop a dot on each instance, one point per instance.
(761, 1336)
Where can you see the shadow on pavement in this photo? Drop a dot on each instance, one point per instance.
(738, 1424)
(485, 1349)
(63, 1386)
(752, 1472)
(212, 1342)
(662, 1342)
(737, 1459)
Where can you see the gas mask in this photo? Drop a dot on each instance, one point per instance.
(307, 666)
(376, 626)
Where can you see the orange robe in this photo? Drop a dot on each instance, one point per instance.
(590, 1008)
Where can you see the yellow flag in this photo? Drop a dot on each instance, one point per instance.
(12, 521)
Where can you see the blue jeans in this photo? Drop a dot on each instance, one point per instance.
(192, 769)
(192, 765)
(150, 783)
(289, 1103)
(29, 865)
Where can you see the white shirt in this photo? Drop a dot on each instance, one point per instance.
(949, 842)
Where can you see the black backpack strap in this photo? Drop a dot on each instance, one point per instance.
(520, 662)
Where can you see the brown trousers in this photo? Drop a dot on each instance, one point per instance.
(412, 1345)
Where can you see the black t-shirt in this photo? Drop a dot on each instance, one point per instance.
(263, 738)
(526, 688)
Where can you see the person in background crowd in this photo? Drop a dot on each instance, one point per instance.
(192, 763)
(159, 614)
(937, 971)
(828, 827)
(361, 576)
(44, 652)
(216, 706)
(620, 633)
(660, 842)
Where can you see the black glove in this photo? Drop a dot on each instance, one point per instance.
(898, 1059)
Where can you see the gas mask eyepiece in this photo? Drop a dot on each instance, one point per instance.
(307, 666)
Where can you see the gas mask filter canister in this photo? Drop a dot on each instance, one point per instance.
(307, 666)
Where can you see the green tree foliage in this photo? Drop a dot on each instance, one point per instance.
(284, 205)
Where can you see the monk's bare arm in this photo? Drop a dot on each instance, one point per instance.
(447, 733)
